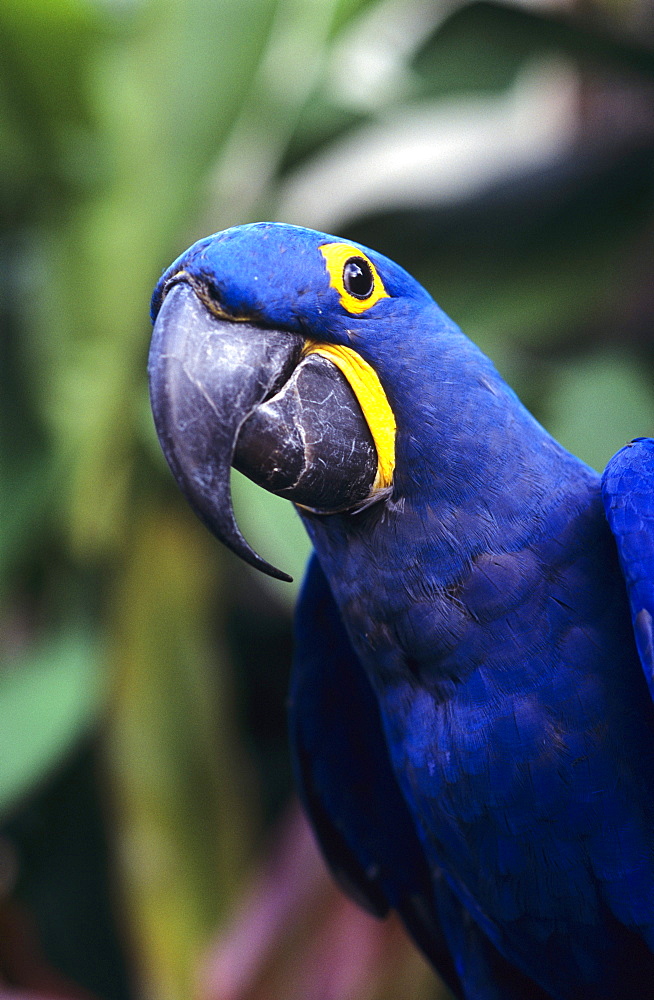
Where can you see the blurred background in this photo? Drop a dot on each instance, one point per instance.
(150, 848)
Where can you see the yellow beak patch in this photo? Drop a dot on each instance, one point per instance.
(370, 394)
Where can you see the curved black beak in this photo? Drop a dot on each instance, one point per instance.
(228, 392)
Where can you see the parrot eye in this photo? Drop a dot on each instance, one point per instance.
(358, 278)
(354, 277)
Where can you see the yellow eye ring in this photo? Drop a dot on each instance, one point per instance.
(349, 266)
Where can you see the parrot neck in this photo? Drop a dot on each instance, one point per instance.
(479, 487)
(475, 471)
(499, 501)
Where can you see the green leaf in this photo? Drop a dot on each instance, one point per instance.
(181, 787)
(49, 698)
(486, 41)
(275, 530)
(598, 404)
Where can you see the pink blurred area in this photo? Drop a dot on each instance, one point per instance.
(296, 935)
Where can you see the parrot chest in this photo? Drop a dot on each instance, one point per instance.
(515, 713)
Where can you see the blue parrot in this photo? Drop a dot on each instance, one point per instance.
(471, 709)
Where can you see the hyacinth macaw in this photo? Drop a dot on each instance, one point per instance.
(471, 703)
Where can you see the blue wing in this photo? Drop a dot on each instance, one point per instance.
(360, 817)
(628, 494)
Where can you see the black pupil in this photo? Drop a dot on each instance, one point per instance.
(357, 277)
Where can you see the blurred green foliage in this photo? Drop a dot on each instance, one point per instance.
(129, 129)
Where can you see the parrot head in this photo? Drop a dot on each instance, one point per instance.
(295, 357)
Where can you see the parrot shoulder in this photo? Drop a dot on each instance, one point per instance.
(628, 494)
